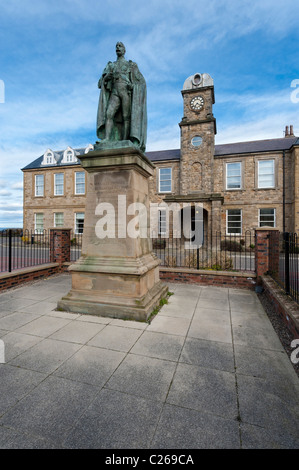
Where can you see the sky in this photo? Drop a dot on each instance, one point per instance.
(53, 54)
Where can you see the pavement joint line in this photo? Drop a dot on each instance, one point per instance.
(98, 389)
(239, 418)
(177, 364)
(102, 387)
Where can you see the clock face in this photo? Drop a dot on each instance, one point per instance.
(197, 103)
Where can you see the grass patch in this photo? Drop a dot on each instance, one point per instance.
(156, 310)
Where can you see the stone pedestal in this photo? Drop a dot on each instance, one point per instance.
(116, 276)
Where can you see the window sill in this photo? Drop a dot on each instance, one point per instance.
(267, 189)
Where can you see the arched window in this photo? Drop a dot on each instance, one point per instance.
(48, 158)
(69, 156)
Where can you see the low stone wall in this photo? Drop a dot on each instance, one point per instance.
(284, 306)
(21, 276)
(238, 279)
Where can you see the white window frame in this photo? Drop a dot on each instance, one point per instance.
(55, 219)
(162, 221)
(239, 176)
(49, 158)
(258, 173)
(55, 184)
(36, 229)
(69, 156)
(241, 221)
(274, 216)
(38, 186)
(168, 179)
(76, 214)
(76, 174)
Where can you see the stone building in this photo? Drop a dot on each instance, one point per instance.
(240, 186)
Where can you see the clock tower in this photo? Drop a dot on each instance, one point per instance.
(198, 129)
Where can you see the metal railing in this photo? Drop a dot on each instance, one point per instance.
(284, 262)
(23, 248)
(220, 252)
(76, 245)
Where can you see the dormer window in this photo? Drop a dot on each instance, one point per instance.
(69, 156)
(49, 158)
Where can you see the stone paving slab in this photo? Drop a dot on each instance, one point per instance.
(144, 377)
(208, 372)
(75, 332)
(15, 320)
(51, 409)
(45, 356)
(210, 354)
(91, 365)
(204, 389)
(115, 337)
(116, 420)
(183, 428)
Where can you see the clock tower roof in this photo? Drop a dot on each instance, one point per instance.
(198, 80)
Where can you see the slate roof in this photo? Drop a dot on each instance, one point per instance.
(255, 146)
(38, 162)
(160, 155)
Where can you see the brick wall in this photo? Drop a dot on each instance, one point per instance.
(211, 278)
(60, 245)
(16, 278)
(262, 251)
(285, 307)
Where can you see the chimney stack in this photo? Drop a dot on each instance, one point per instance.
(286, 134)
(291, 131)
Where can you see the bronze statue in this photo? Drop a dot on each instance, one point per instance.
(122, 111)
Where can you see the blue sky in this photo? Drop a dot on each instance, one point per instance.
(53, 54)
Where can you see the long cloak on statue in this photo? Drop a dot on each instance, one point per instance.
(138, 118)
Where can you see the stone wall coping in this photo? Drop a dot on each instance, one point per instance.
(209, 272)
(31, 269)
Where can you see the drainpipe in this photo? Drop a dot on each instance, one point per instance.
(283, 193)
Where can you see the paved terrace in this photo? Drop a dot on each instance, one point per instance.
(208, 372)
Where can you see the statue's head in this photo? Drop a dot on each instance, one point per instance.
(120, 49)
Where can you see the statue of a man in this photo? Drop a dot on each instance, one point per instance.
(122, 111)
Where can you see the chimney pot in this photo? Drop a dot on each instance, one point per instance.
(287, 131)
(291, 130)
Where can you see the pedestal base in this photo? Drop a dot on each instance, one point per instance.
(117, 275)
(115, 287)
(95, 302)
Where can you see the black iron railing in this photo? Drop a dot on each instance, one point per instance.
(219, 252)
(23, 248)
(284, 262)
(76, 245)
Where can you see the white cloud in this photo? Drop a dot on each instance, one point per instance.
(18, 185)
(12, 207)
(4, 193)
